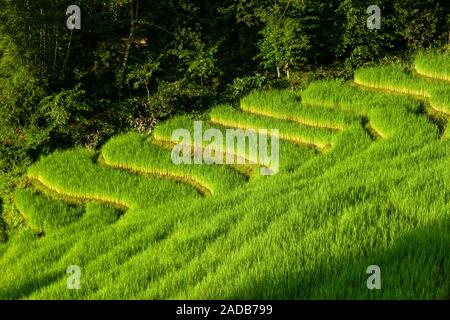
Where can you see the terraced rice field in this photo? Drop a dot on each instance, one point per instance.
(433, 65)
(396, 79)
(364, 180)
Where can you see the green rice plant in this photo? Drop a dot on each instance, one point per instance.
(33, 251)
(164, 133)
(75, 174)
(433, 64)
(86, 249)
(263, 239)
(248, 284)
(395, 78)
(90, 249)
(309, 232)
(43, 214)
(291, 155)
(446, 133)
(292, 132)
(440, 101)
(394, 117)
(286, 105)
(132, 152)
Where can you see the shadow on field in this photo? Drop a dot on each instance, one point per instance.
(417, 266)
(3, 235)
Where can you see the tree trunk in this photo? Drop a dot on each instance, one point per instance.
(278, 73)
(287, 70)
(55, 52)
(133, 14)
(148, 92)
(66, 60)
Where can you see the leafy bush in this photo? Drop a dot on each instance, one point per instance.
(242, 86)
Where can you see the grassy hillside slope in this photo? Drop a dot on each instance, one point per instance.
(364, 180)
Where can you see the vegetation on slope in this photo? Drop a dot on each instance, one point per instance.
(309, 232)
(433, 65)
(394, 78)
(132, 152)
(284, 105)
(135, 63)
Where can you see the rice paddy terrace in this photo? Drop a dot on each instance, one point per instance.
(364, 180)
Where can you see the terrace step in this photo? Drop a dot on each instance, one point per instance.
(313, 137)
(285, 105)
(131, 152)
(396, 79)
(75, 174)
(433, 65)
(291, 154)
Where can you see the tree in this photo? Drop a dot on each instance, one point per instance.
(141, 75)
(420, 24)
(448, 23)
(284, 42)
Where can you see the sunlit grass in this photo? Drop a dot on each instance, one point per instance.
(296, 133)
(286, 105)
(396, 78)
(434, 65)
(143, 228)
(132, 152)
